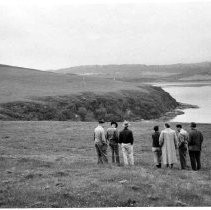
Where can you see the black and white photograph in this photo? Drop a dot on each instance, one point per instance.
(105, 103)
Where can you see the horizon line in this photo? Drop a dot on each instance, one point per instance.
(31, 68)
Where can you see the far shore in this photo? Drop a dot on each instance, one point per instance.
(181, 83)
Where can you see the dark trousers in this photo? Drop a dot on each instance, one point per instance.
(182, 157)
(195, 159)
(101, 153)
(115, 153)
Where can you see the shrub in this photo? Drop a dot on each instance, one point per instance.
(82, 111)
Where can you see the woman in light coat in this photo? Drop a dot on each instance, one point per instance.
(168, 142)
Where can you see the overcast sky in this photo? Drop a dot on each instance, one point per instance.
(57, 34)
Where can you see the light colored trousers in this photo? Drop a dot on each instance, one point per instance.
(127, 151)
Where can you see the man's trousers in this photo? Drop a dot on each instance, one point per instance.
(127, 150)
(182, 156)
(195, 159)
(101, 153)
(115, 153)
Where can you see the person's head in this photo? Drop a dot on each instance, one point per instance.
(101, 122)
(125, 124)
(179, 127)
(114, 124)
(193, 125)
(167, 125)
(156, 128)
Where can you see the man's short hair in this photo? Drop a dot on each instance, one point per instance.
(167, 125)
(101, 121)
(156, 128)
(114, 123)
(193, 125)
(179, 126)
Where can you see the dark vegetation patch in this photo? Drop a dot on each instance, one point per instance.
(151, 103)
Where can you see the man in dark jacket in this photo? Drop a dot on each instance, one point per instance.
(194, 145)
(126, 141)
(156, 147)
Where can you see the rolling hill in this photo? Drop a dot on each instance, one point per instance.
(29, 94)
(18, 83)
(145, 73)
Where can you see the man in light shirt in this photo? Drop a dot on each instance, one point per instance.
(182, 145)
(101, 143)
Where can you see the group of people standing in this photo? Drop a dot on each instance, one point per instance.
(113, 138)
(164, 145)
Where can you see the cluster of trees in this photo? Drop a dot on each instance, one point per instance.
(132, 105)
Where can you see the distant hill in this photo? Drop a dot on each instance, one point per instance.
(29, 94)
(145, 73)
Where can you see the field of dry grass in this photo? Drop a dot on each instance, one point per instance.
(53, 164)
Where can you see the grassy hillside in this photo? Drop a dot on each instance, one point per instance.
(28, 94)
(146, 73)
(21, 84)
(53, 164)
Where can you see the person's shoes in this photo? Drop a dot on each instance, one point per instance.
(158, 166)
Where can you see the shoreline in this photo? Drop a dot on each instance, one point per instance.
(180, 84)
(177, 111)
(182, 106)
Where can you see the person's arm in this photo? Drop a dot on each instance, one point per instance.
(187, 138)
(161, 139)
(117, 136)
(120, 137)
(103, 137)
(190, 138)
(202, 138)
(132, 139)
(106, 136)
(175, 140)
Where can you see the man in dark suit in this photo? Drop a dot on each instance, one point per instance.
(194, 145)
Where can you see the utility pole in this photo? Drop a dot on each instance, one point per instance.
(84, 82)
(114, 78)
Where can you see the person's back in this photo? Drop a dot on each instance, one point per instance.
(195, 140)
(155, 139)
(168, 142)
(169, 136)
(126, 136)
(100, 143)
(194, 146)
(126, 141)
(99, 135)
(112, 135)
(156, 147)
(182, 145)
(182, 138)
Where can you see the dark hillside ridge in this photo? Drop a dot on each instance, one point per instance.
(89, 106)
